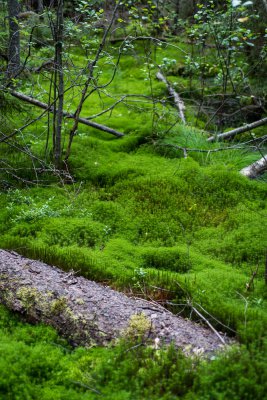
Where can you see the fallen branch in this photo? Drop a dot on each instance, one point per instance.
(207, 322)
(127, 38)
(234, 132)
(255, 169)
(87, 313)
(179, 104)
(66, 114)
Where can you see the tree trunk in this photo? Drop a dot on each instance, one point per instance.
(90, 66)
(58, 86)
(87, 313)
(40, 6)
(13, 67)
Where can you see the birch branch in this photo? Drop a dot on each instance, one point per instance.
(255, 169)
(179, 104)
(234, 132)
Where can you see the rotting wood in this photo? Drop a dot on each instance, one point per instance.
(179, 104)
(234, 132)
(87, 313)
(255, 169)
(66, 114)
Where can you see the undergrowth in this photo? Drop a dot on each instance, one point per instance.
(142, 218)
(48, 369)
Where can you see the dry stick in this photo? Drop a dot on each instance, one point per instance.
(177, 99)
(256, 168)
(81, 120)
(207, 322)
(236, 131)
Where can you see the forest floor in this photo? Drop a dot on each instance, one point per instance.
(89, 313)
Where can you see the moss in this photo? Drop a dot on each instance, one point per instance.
(58, 306)
(138, 327)
(29, 297)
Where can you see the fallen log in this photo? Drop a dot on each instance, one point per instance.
(255, 169)
(179, 104)
(87, 313)
(234, 132)
(66, 114)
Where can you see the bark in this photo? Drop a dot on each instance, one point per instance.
(179, 104)
(265, 4)
(58, 86)
(234, 132)
(40, 6)
(81, 120)
(87, 313)
(13, 67)
(255, 169)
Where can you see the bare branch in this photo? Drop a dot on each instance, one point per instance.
(81, 120)
(207, 322)
(234, 132)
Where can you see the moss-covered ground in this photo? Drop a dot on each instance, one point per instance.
(139, 216)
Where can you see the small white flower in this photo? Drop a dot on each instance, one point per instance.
(156, 345)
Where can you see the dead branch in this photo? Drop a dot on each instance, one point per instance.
(207, 322)
(250, 284)
(255, 169)
(179, 104)
(81, 120)
(234, 132)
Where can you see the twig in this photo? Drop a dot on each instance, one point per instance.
(207, 322)
(87, 387)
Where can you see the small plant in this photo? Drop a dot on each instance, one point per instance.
(167, 64)
(15, 197)
(34, 211)
(139, 278)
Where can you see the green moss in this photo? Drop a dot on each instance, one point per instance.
(142, 218)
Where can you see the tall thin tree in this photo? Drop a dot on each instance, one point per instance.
(58, 85)
(14, 39)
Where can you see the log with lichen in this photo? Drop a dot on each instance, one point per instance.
(87, 313)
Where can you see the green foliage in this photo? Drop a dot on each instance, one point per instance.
(34, 362)
(167, 259)
(240, 374)
(140, 216)
(37, 364)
